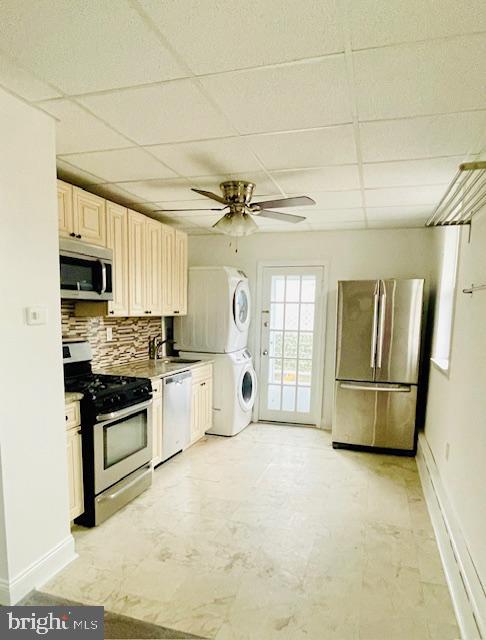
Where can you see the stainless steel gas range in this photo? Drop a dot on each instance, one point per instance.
(115, 432)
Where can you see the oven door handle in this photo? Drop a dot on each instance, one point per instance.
(122, 413)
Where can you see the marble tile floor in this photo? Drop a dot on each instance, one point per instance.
(271, 534)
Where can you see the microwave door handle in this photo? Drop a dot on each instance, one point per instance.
(103, 277)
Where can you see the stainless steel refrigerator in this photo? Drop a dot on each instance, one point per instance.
(379, 324)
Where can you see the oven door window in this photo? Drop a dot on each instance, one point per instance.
(124, 438)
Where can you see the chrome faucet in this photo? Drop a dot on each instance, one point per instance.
(155, 345)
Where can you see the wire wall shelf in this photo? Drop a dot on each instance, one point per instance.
(465, 196)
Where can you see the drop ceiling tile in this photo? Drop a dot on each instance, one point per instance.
(297, 96)
(411, 172)
(115, 193)
(402, 196)
(121, 164)
(247, 34)
(85, 46)
(420, 79)
(422, 137)
(264, 186)
(415, 213)
(304, 149)
(207, 157)
(70, 173)
(158, 190)
(373, 24)
(337, 226)
(77, 130)
(22, 82)
(189, 207)
(171, 112)
(328, 179)
(338, 215)
(396, 223)
(336, 199)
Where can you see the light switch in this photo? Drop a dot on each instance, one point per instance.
(109, 334)
(36, 315)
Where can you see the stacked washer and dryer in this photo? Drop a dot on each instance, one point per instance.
(216, 328)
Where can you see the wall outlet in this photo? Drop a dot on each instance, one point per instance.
(447, 449)
(36, 315)
(109, 334)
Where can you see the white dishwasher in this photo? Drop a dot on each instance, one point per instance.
(176, 426)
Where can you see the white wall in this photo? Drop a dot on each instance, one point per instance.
(456, 408)
(32, 436)
(404, 253)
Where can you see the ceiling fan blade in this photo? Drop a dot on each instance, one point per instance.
(300, 201)
(175, 210)
(209, 194)
(283, 217)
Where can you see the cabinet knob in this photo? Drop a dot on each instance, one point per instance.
(112, 312)
(73, 235)
(78, 236)
(176, 311)
(203, 384)
(67, 418)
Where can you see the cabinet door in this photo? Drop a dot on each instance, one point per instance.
(136, 264)
(168, 249)
(156, 430)
(153, 269)
(117, 239)
(65, 208)
(75, 473)
(89, 217)
(197, 398)
(180, 273)
(207, 421)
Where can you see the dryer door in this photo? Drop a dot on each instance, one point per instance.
(247, 388)
(241, 305)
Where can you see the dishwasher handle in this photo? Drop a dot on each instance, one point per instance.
(177, 378)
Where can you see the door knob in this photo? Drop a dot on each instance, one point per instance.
(265, 324)
(264, 352)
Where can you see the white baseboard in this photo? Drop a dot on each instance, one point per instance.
(468, 596)
(38, 573)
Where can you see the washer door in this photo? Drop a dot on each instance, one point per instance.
(247, 388)
(241, 305)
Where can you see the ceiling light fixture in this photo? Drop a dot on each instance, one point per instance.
(236, 224)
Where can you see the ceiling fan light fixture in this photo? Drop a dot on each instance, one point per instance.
(236, 224)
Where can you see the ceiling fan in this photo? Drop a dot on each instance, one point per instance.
(237, 195)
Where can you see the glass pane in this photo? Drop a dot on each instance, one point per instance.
(277, 289)
(276, 316)
(122, 439)
(247, 387)
(275, 371)
(305, 345)
(308, 289)
(241, 308)
(303, 399)
(292, 316)
(274, 397)
(289, 371)
(293, 289)
(276, 339)
(306, 317)
(305, 372)
(290, 344)
(288, 398)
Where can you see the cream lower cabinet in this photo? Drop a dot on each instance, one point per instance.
(156, 417)
(174, 271)
(202, 401)
(74, 462)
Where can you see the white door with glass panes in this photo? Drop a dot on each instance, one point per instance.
(291, 359)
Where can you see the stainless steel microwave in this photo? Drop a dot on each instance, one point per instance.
(86, 271)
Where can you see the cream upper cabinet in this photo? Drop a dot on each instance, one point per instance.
(89, 217)
(136, 263)
(174, 272)
(180, 275)
(65, 208)
(153, 270)
(117, 239)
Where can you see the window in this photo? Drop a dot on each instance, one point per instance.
(445, 299)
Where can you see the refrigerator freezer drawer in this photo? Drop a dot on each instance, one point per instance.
(375, 415)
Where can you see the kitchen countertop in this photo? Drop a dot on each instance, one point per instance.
(153, 369)
(72, 396)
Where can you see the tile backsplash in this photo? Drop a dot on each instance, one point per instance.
(130, 335)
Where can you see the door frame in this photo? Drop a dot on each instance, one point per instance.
(321, 343)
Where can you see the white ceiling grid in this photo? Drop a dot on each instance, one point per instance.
(368, 107)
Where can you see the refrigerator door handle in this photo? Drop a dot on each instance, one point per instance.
(381, 331)
(399, 388)
(374, 330)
